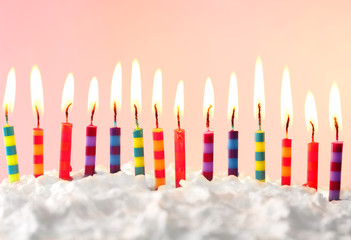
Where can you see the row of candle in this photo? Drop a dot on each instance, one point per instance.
(179, 133)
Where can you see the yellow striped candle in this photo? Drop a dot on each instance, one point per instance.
(11, 153)
(138, 143)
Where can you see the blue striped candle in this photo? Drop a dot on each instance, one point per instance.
(11, 153)
(260, 156)
(138, 142)
(233, 152)
(115, 149)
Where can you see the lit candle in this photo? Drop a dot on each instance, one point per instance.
(179, 137)
(336, 147)
(138, 140)
(90, 147)
(259, 110)
(312, 152)
(208, 109)
(9, 133)
(157, 133)
(38, 133)
(66, 130)
(286, 118)
(233, 135)
(115, 132)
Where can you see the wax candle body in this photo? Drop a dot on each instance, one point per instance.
(260, 156)
(207, 167)
(233, 152)
(90, 150)
(65, 151)
(335, 170)
(115, 149)
(11, 153)
(138, 142)
(159, 157)
(38, 152)
(286, 161)
(179, 150)
(312, 165)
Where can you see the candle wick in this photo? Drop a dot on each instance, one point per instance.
(6, 114)
(259, 116)
(92, 114)
(336, 124)
(233, 116)
(67, 111)
(115, 114)
(178, 118)
(287, 126)
(208, 117)
(312, 131)
(156, 115)
(38, 117)
(136, 116)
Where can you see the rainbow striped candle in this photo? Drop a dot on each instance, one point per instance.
(159, 157)
(115, 149)
(286, 161)
(207, 167)
(90, 150)
(260, 156)
(38, 152)
(233, 152)
(138, 143)
(11, 153)
(335, 170)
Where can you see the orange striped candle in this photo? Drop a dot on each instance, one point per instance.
(286, 161)
(38, 152)
(159, 157)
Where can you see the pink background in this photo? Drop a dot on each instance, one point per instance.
(188, 40)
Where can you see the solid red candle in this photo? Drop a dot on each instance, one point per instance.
(312, 165)
(179, 150)
(65, 151)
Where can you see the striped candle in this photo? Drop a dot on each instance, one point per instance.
(138, 143)
(335, 170)
(233, 152)
(11, 153)
(159, 157)
(38, 152)
(207, 167)
(179, 151)
(312, 164)
(286, 162)
(65, 151)
(115, 149)
(260, 156)
(90, 150)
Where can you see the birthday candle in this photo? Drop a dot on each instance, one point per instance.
(259, 109)
(233, 135)
(9, 134)
(115, 132)
(179, 137)
(312, 147)
(157, 133)
(138, 140)
(336, 147)
(90, 149)
(286, 118)
(66, 130)
(207, 167)
(38, 133)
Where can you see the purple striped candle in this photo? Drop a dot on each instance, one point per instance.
(90, 150)
(207, 167)
(335, 170)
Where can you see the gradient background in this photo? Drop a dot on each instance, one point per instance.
(188, 40)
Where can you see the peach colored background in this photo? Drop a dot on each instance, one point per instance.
(188, 40)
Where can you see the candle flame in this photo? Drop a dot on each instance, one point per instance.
(68, 92)
(208, 106)
(116, 88)
(286, 99)
(233, 102)
(259, 89)
(311, 113)
(157, 92)
(36, 88)
(10, 91)
(93, 98)
(335, 108)
(179, 100)
(135, 95)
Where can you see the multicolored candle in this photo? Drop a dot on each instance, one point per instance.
(138, 139)
(286, 118)
(9, 133)
(336, 147)
(208, 108)
(115, 132)
(259, 110)
(312, 147)
(179, 137)
(66, 130)
(90, 148)
(157, 133)
(233, 136)
(38, 133)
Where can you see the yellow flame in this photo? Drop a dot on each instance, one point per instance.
(10, 91)
(233, 101)
(36, 89)
(259, 89)
(208, 98)
(179, 99)
(157, 91)
(116, 88)
(68, 92)
(286, 98)
(335, 107)
(93, 97)
(311, 112)
(135, 95)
